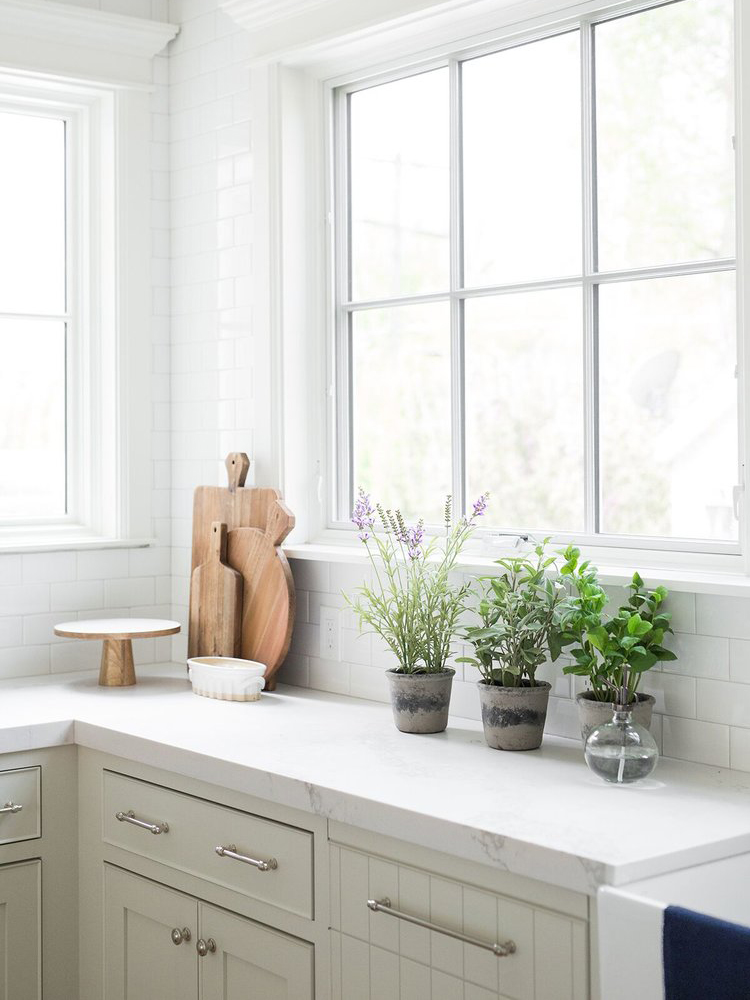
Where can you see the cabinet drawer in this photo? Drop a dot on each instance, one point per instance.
(417, 962)
(197, 827)
(22, 788)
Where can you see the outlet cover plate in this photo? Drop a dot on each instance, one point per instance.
(330, 633)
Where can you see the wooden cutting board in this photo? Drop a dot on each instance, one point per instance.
(268, 602)
(215, 617)
(238, 506)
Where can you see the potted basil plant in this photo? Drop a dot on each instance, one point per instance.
(518, 612)
(612, 653)
(414, 605)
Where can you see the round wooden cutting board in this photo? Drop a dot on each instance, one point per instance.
(268, 599)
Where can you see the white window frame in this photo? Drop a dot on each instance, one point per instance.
(294, 282)
(589, 280)
(95, 70)
(30, 102)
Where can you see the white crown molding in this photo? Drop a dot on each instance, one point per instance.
(277, 26)
(36, 35)
(257, 14)
(323, 32)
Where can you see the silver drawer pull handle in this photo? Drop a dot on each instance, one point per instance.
(11, 807)
(230, 851)
(203, 947)
(129, 817)
(384, 906)
(178, 936)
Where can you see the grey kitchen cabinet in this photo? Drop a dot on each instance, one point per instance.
(20, 931)
(160, 944)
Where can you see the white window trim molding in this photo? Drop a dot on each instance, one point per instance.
(302, 49)
(104, 78)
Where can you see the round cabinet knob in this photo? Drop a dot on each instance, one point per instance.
(203, 947)
(178, 936)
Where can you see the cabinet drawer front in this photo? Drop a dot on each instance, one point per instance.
(20, 788)
(550, 960)
(195, 828)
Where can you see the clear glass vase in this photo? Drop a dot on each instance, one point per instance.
(621, 751)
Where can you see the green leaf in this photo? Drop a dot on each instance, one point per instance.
(637, 626)
(641, 659)
(574, 669)
(663, 655)
(598, 638)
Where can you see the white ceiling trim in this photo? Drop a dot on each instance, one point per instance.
(39, 34)
(306, 32)
(277, 26)
(257, 14)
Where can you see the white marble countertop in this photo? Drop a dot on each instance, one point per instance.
(539, 814)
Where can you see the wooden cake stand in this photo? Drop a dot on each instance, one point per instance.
(117, 669)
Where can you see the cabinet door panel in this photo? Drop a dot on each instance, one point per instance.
(252, 961)
(20, 935)
(141, 962)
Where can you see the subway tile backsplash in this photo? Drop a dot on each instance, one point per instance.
(702, 709)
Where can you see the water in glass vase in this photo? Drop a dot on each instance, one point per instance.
(621, 751)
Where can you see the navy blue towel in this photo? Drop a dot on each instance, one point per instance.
(704, 958)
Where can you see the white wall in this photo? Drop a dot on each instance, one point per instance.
(203, 397)
(702, 700)
(212, 413)
(39, 589)
(212, 315)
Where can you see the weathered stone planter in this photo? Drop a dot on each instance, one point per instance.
(420, 701)
(514, 717)
(593, 713)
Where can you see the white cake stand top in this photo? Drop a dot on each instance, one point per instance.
(117, 628)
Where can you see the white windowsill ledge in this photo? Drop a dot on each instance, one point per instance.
(35, 543)
(683, 580)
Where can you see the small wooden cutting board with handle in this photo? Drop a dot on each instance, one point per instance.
(268, 602)
(238, 506)
(215, 602)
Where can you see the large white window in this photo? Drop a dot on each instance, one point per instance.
(535, 281)
(36, 324)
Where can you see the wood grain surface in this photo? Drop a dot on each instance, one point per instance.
(268, 603)
(215, 601)
(238, 506)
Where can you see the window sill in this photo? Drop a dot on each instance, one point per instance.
(726, 584)
(61, 542)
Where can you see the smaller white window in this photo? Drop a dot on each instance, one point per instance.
(37, 326)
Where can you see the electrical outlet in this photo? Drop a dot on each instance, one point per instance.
(330, 624)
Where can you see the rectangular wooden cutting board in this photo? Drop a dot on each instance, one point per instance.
(215, 621)
(257, 521)
(238, 506)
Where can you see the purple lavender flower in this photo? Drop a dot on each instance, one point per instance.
(480, 505)
(412, 538)
(363, 515)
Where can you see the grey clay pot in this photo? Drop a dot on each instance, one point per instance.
(420, 701)
(514, 717)
(593, 713)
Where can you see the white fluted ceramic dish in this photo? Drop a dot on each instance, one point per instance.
(226, 678)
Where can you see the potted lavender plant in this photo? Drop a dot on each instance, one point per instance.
(518, 612)
(414, 606)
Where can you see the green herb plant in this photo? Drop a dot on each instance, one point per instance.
(518, 611)
(615, 652)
